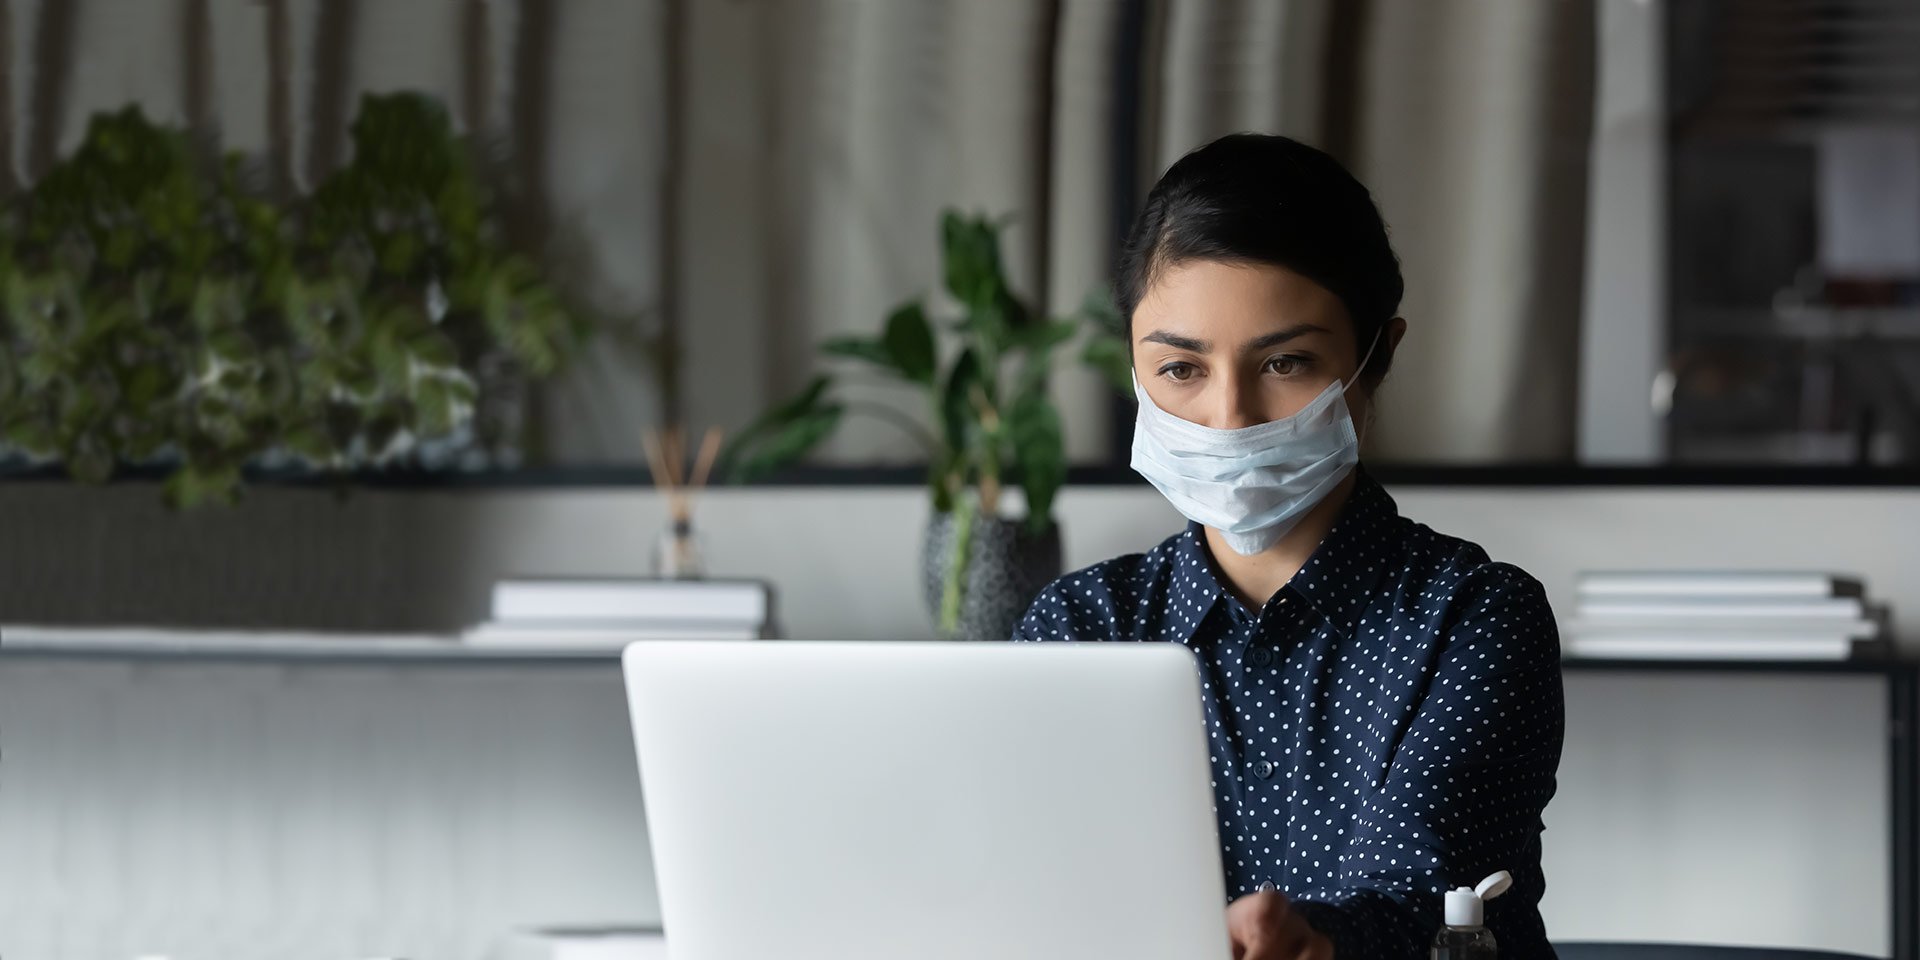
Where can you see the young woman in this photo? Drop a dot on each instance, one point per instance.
(1383, 701)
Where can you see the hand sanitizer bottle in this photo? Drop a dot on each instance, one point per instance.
(1465, 936)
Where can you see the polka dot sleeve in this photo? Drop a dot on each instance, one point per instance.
(1098, 603)
(1463, 793)
(1046, 619)
(1384, 726)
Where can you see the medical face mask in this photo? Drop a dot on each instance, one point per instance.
(1255, 483)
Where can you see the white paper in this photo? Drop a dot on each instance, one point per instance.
(1869, 201)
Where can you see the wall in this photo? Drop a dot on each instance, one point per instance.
(264, 811)
(422, 560)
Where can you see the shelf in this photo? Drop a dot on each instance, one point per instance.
(136, 644)
(1882, 326)
(1877, 666)
(139, 644)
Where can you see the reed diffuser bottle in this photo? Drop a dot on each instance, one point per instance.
(677, 552)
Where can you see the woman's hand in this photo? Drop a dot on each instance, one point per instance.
(1264, 926)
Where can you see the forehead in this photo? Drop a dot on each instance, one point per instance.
(1196, 295)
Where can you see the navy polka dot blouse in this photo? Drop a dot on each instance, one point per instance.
(1386, 726)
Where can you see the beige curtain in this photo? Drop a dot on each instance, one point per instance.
(1227, 66)
(1471, 122)
(822, 136)
(756, 175)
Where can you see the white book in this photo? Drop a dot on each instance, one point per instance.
(1681, 648)
(597, 636)
(1748, 608)
(177, 639)
(1727, 628)
(545, 601)
(1716, 583)
(580, 945)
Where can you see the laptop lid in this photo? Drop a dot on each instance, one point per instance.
(928, 800)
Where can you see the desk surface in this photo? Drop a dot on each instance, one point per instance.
(266, 646)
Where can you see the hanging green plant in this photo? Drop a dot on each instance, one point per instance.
(155, 309)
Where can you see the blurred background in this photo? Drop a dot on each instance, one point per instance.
(322, 319)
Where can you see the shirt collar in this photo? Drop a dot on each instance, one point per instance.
(1339, 576)
(1195, 586)
(1347, 566)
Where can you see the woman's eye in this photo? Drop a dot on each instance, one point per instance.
(1284, 366)
(1178, 372)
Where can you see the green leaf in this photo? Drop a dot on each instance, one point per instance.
(859, 348)
(310, 443)
(435, 349)
(399, 253)
(971, 248)
(806, 400)
(1042, 337)
(945, 477)
(1034, 374)
(89, 459)
(230, 345)
(145, 384)
(390, 357)
(790, 442)
(959, 418)
(909, 342)
(32, 436)
(381, 431)
(742, 459)
(435, 404)
(1039, 450)
(995, 326)
(192, 486)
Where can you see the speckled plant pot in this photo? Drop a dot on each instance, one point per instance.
(1008, 567)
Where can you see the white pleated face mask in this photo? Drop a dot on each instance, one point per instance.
(1255, 483)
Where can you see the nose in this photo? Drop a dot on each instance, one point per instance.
(1235, 402)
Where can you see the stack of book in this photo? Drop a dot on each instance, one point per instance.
(1722, 615)
(609, 614)
(612, 944)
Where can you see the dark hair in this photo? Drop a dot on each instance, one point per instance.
(1253, 198)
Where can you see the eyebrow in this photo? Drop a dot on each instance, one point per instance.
(1177, 341)
(1278, 337)
(1194, 345)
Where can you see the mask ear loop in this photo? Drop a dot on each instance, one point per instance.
(1362, 368)
(1360, 437)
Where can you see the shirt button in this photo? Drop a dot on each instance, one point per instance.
(1263, 769)
(1260, 657)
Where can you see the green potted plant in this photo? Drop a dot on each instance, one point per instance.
(994, 426)
(156, 310)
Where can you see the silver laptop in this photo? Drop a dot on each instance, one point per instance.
(937, 801)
